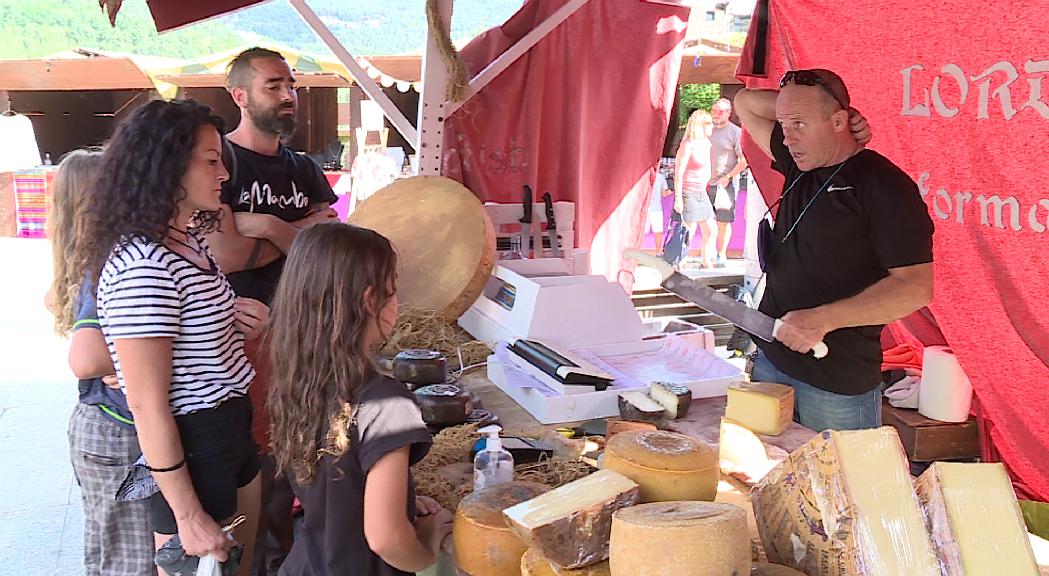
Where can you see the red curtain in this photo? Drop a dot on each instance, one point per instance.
(954, 93)
(583, 116)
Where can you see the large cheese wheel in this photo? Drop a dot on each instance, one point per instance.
(533, 563)
(445, 242)
(484, 543)
(763, 569)
(680, 539)
(666, 465)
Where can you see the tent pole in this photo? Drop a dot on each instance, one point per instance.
(433, 107)
(359, 75)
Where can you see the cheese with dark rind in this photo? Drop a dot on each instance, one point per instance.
(680, 539)
(443, 404)
(666, 465)
(420, 367)
(534, 564)
(483, 541)
(637, 406)
(570, 525)
(675, 398)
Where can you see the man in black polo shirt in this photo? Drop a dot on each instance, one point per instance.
(850, 251)
(272, 194)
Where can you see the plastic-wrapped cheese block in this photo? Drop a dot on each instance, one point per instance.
(843, 505)
(763, 569)
(534, 564)
(680, 539)
(484, 543)
(762, 407)
(570, 525)
(666, 465)
(975, 521)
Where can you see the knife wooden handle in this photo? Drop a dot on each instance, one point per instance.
(820, 350)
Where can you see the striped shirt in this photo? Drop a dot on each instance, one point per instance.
(146, 290)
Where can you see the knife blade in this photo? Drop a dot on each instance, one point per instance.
(551, 225)
(739, 314)
(526, 223)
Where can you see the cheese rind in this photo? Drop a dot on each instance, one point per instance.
(639, 407)
(763, 569)
(666, 465)
(763, 407)
(534, 564)
(484, 544)
(443, 404)
(975, 520)
(843, 505)
(675, 398)
(570, 525)
(680, 539)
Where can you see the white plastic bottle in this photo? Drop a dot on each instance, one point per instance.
(493, 465)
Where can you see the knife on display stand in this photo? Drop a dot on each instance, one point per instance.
(551, 226)
(752, 321)
(526, 223)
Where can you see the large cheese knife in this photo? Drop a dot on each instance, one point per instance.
(739, 314)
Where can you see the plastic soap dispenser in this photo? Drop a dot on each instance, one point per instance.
(493, 465)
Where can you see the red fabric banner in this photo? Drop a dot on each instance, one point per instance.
(954, 93)
(582, 115)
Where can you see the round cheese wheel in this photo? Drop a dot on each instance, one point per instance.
(443, 404)
(420, 367)
(666, 465)
(484, 544)
(680, 539)
(533, 563)
(763, 569)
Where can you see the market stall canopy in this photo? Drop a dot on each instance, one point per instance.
(965, 118)
(172, 14)
(85, 69)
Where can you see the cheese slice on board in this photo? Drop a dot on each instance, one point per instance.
(763, 407)
(680, 539)
(843, 505)
(484, 544)
(975, 521)
(534, 564)
(666, 465)
(570, 525)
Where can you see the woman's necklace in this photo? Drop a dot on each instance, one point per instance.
(197, 248)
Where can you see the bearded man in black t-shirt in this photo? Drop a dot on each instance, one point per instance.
(850, 250)
(272, 194)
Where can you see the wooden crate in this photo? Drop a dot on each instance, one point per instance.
(928, 440)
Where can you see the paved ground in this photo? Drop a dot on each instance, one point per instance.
(41, 522)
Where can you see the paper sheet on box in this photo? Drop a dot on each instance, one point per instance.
(675, 361)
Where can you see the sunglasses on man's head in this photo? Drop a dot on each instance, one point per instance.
(809, 78)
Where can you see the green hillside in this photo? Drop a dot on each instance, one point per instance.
(36, 28)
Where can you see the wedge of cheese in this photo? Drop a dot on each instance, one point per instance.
(484, 543)
(666, 465)
(741, 453)
(843, 505)
(676, 398)
(762, 407)
(570, 525)
(680, 539)
(534, 564)
(975, 521)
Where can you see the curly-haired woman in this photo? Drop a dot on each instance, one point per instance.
(173, 325)
(345, 435)
(102, 440)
